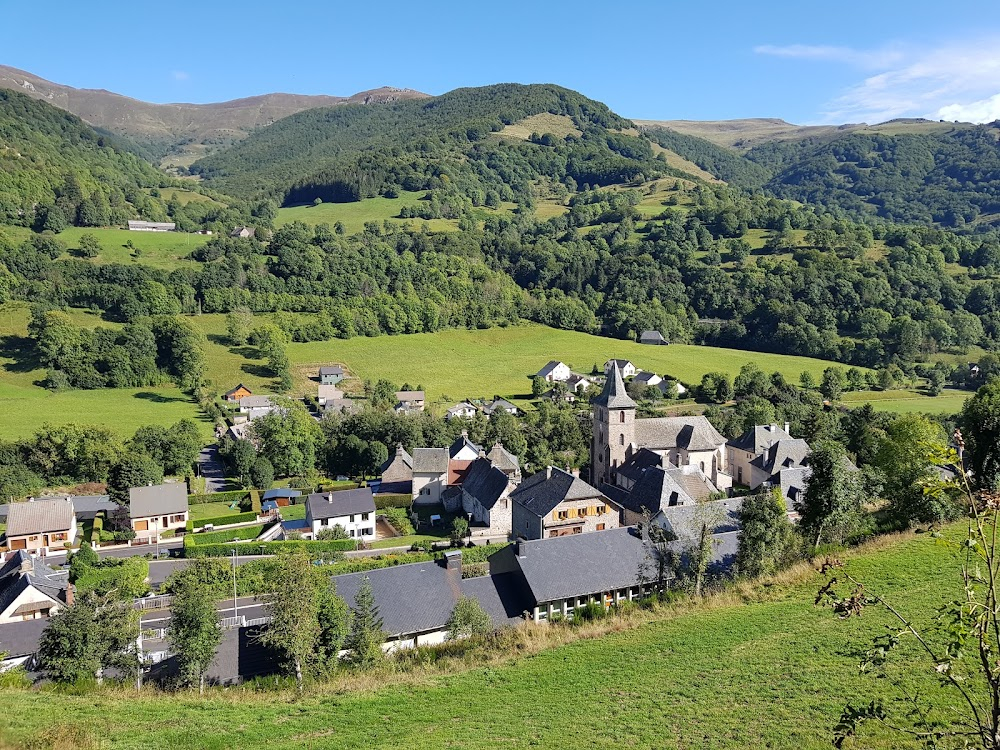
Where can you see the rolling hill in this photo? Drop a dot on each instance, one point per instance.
(184, 130)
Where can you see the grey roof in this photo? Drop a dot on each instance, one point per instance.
(88, 506)
(400, 455)
(405, 396)
(419, 597)
(256, 402)
(646, 377)
(328, 391)
(503, 459)
(542, 492)
(160, 499)
(792, 483)
(485, 482)
(651, 336)
(655, 489)
(686, 520)
(784, 454)
(430, 460)
(499, 403)
(641, 460)
(343, 503)
(549, 367)
(693, 480)
(462, 441)
(22, 638)
(617, 495)
(463, 406)
(284, 492)
(620, 362)
(614, 396)
(22, 571)
(345, 405)
(39, 517)
(331, 370)
(756, 439)
(690, 433)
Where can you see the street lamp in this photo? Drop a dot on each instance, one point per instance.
(235, 605)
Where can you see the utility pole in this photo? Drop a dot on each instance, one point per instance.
(235, 605)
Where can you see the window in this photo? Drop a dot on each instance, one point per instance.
(621, 440)
(367, 532)
(582, 512)
(351, 532)
(600, 527)
(621, 416)
(364, 516)
(602, 509)
(562, 515)
(703, 466)
(352, 518)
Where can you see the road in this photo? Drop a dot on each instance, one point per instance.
(247, 606)
(211, 468)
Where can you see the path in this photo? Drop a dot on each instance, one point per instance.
(211, 468)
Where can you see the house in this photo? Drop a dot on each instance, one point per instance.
(409, 401)
(554, 372)
(647, 378)
(245, 232)
(31, 590)
(686, 522)
(89, 507)
(741, 451)
(658, 487)
(464, 410)
(430, 475)
(486, 498)
(790, 453)
(41, 525)
(151, 226)
(331, 375)
(630, 471)
(326, 393)
(255, 402)
(281, 498)
(506, 461)
(461, 454)
(341, 406)
(354, 510)
(157, 508)
(397, 473)
(499, 404)
(625, 368)
(234, 396)
(554, 502)
(578, 383)
(664, 386)
(791, 483)
(683, 441)
(652, 337)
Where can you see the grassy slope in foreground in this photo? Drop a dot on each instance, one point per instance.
(772, 673)
(463, 363)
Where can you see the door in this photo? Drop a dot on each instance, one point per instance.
(142, 526)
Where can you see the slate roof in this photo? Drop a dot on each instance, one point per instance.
(22, 571)
(641, 460)
(690, 433)
(430, 460)
(548, 369)
(400, 455)
(256, 402)
(272, 494)
(485, 482)
(651, 336)
(649, 378)
(499, 403)
(39, 517)
(458, 409)
(503, 459)
(22, 638)
(462, 441)
(656, 489)
(693, 480)
(343, 503)
(158, 500)
(344, 405)
(542, 492)
(792, 483)
(407, 396)
(331, 370)
(686, 520)
(419, 597)
(88, 506)
(620, 362)
(756, 439)
(613, 396)
(784, 454)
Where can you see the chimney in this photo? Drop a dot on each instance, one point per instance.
(773, 428)
(575, 472)
(453, 560)
(31, 499)
(548, 472)
(465, 433)
(786, 428)
(399, 449)
(329, 497)
(520, 548)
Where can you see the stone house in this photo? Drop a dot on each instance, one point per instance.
(554, 502)
(741, 451)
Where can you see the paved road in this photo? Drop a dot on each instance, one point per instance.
(210, 467)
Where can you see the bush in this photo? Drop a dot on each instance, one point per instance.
(478, 554)
(393, 501)
(589, 613)
(399, 519)
(127, 577)
(234, 496)
(225, 520)
(317, 550)
(226, 535)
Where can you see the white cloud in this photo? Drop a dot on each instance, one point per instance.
(958, 80)
(829, 53)
(179, 75)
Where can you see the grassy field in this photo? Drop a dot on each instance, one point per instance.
(546, 122)
(166, 250)
(764, 670)
(900, 402)
(355, 215)
(469, 364)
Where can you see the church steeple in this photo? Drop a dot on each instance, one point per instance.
(614, 395)
(614, 428)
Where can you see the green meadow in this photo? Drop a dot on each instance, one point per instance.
(355, 215)
(762, 668)
(899, 402)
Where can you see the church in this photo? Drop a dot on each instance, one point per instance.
(620, 439)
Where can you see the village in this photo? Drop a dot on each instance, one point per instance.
(556, 541)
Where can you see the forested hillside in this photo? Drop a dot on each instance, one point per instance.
(446, 143)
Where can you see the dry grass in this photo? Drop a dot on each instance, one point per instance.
(546, 122)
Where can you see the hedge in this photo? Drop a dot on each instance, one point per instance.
(225, 535)
(126, 576)
(393, 501)
(318, 550)
(233, 496)
(226, 520)
(477, 554)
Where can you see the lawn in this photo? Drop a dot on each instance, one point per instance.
(355, 215)
(212, 510)
(903, 402)
(767, 671)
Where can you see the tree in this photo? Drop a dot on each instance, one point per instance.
(832, 385)
(806, 381)
(241, 456)
(459, 528)
(831, 507)
(68, 649)
(537, 386)
(468, 618)
(365, 638)
(767, 539)
(333, 617)
(330, 533)
(980, 422)
(194, 631)
(287, 437)
(902, 458)
(261, 474)
(661, 560)
(89, 245)
(294, 610)
(81, 560)
(239, 325)
(376, 453)
(134, 470)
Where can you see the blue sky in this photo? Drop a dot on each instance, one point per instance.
(805, 62)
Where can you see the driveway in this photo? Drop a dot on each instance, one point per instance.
(211, 468)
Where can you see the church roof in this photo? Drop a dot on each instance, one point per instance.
(614, 396)
(689, 433)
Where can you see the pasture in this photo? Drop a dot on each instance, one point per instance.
(355, 215)
(759, 668)
(905, 402)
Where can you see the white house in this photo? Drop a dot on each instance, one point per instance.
(625, 367)
(326, 393)
(464, 410)
(151, 226)
(30, 589)
(554, 372)
(354, 510)
(157, 508)
(499, 404)
(41, 525)
(430, 475)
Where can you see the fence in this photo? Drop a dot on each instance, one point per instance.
(153, 602)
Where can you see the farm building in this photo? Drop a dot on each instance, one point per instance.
(654, 338)
(151, 226)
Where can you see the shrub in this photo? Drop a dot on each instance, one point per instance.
(393, 501)
(589, 612)
(332, 532)
(478, 554)
(127, 577)
(315, 549)
(234, 496)
(226, 520)
(399, 519)
(226, 535)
